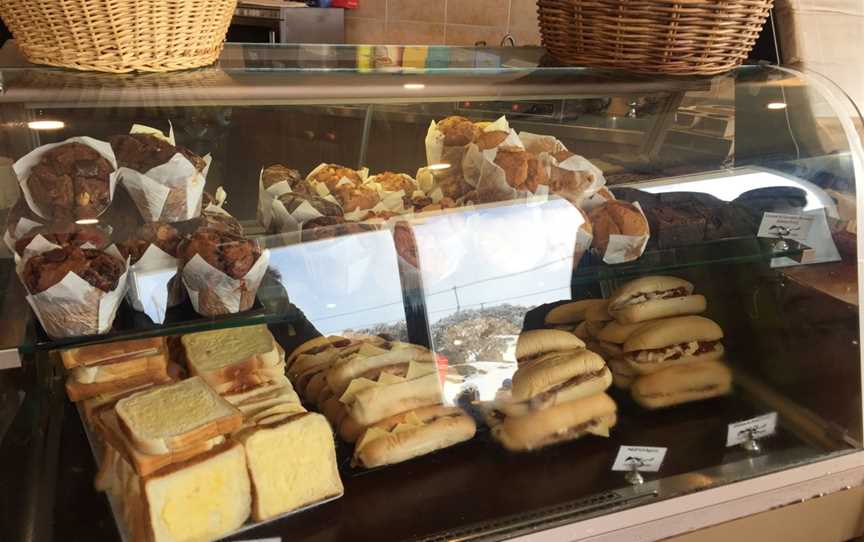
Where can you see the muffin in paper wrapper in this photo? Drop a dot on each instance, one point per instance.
(26, 163)
(575, 178)
(169, 192)
(474, 158)
(275, 217)
(21, 228)
(626, 248)
(39, 245)
(322, 189)
(154, 285)
(214, 293)
(266, 198)
(73, 308)
(393, 202)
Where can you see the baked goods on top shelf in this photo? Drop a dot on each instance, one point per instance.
(65, 234)
(277, 173)
(514, 162)
(70, 182)
(165, 236)
(232, 254)
(142, 152)
(458, 131)
(99, 269)
(332, 175)
(394, 182)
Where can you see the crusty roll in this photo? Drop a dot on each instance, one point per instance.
(682, 384)
(594, 384)
(598, 312)
(617, 333)
(440, 427)
(570, 313)
(334, 411)
(560, 423)
(350, 429)
(606, 350)
(541, 341)
(373, 404)
(314, 387)
(652, 297)
(623, 375)
(673, 341)
(581, 331)
(343, 371)
(556, 370)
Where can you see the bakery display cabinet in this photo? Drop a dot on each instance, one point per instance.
(422, 293)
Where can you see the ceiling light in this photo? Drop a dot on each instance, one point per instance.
(46, 125)
(776, 106)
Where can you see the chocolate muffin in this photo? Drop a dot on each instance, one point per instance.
(71, 182)
(165, 236)
(278, 173)
(293, 200)
(16, 213)
(458, 131)
(66, 234)
(217, 221)
(331, 174)
(143, 152)
(99, 269)
(232, 254)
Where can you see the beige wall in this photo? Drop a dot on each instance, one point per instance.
(442, 22)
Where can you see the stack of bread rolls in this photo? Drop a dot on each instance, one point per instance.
(383, 396)
(557, 393)
(655, 343)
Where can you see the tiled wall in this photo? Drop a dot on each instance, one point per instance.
(442, 22)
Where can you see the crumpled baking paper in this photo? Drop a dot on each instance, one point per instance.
(26, 163)
(150, 190)
(153, 288)
(213, 292)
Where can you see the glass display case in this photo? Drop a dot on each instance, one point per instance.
(526, 297)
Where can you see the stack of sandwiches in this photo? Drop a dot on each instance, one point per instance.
(194, 459)
(382, 396)
(656, 344)
(102, 373)
(557, 393)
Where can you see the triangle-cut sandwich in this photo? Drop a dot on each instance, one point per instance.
(682, 384)
(559, 423)
(649, 298)
(673, 341)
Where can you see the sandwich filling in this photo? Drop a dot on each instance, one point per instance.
(643, 297)
(328, 346)
(575, 381)
(673, 352)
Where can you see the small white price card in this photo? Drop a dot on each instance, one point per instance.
(752, 429)
(777, 225)
(641, 458)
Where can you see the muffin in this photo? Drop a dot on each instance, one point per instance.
(218, 221)
(537, 174)
(231, 254)
(71, 182)
(394, 182)
(357, 198)
(165, 236)
(458, 131)
(97, 268)
(514, 162)
(278, 173)
(331, 174)
(143, 152)
(292, 200)
(490, 140)
(65, 234)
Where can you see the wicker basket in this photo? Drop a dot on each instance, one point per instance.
(119, 35)
(682, 37)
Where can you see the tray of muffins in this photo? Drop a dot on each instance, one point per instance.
(188, 264)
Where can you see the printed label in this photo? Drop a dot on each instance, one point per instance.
(642, 458)
(754, 428)
(780, 225)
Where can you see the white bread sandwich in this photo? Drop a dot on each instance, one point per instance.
(649, 298)
(559, 377)
(234, 358)
(570, 314)
(673, 341)
(118, 351)
(204, 498)
(292, 464)
(682, 384)
(368, 401)
(175, 416)
(412, 434)
(156, 373)
(560, 423)
(536, 343)
(394, 360)
(146, 464)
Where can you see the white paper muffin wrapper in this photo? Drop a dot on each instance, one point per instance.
(149, 282)
(266, 198)
(26, 163)
(322, 189)
(626, 248)
(544, 146)
(200, 276)
(39, 245)
(72, 307)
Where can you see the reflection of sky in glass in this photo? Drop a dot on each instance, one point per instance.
(347, 282)
(516, 253)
